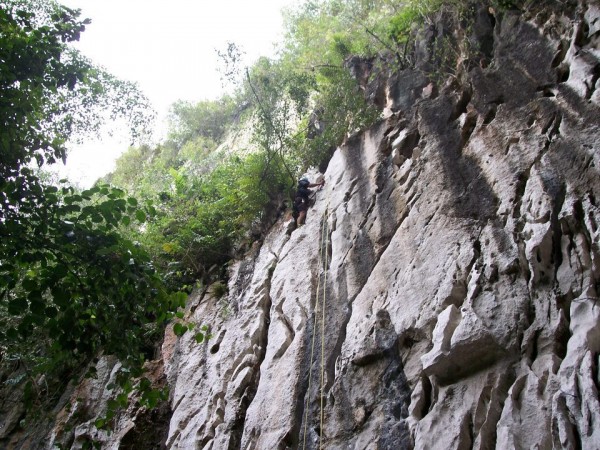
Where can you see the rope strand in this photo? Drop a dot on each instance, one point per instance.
(326, 245)
(323, 263)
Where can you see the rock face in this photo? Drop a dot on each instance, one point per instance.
(443, 293)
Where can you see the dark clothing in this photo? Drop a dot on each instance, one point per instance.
(303, 192)
(301, 200)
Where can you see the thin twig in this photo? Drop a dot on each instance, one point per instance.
(270, 121)
(385, 44)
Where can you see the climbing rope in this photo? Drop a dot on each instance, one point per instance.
(325, 243)
(323, 263)
(312, 351)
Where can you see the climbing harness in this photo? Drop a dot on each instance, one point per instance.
(319, 302)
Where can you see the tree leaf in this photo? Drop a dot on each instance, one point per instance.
(179, 329)
(17, 306)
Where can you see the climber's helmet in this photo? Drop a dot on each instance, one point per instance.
(303, 182)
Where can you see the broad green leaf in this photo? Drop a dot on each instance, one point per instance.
(17, 306)
(60, 296)
(179, 329)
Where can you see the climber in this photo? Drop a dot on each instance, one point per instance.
(302, 199)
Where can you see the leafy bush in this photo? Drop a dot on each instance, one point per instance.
(205, 218)
(71, 284)
(49, 92)
(219, 289)
(208, 119)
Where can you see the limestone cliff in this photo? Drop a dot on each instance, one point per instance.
(457, 243)
(443, 293)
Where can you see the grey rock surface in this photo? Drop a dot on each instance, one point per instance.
(454, 250)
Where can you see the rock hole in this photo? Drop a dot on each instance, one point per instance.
(581, 38)
(546, 90)
(578, 211)
(562, 73)
(530, 121)
(592, 198)
(490, 115)
(534, 350)
(592, 85)
(595, 378)
(549, 93)
(215, 348)
(492, 20)
(287, 441)
(593, 223)
(477, 248)
(461, 105)
(560, 54)
(468, 128)
(428, 397)
(563, 334)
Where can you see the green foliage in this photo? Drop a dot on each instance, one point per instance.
(207, 119)
(219, 289)
(307, 101)
(148, 396)
(325, 32)
(280, 96)
(72, 285)
(204, 218)
(49, 92)
(144, 171)
(195, 131)
(203, 335)
(401, 23)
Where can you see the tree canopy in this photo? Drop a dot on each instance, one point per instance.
(71, 284)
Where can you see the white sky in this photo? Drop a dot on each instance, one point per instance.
(168, 47)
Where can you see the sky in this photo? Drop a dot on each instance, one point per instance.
(168, 48)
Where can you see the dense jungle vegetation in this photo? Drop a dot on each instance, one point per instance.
(99, 271)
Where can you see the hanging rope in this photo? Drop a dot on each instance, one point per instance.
(323, 263)
(325, 243)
